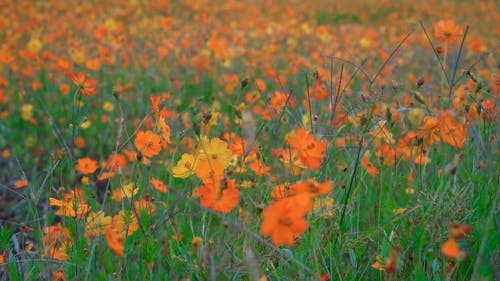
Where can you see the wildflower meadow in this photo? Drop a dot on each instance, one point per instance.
(249, 140)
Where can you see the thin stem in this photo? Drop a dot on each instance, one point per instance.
(309, 104)
(389, 58)
(435, 52)
(455, 66)
(443, 73)
(351, 183)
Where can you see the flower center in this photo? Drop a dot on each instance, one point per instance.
(287, 221)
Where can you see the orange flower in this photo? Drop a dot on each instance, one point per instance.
(459, 230)
(452, 133)
(319, 90)
(495, 84)
(259, 168)
(238, 146)
(365, 162)
(311, 151)
(86, 87)
(291, 160)
(278, 101)
(196, 242)
(144, 206)
(56, 240)
(21, 184)
(148, 143)
(209, 171)
(115, 241)
(388, 154)
(126, 191)
(284, 219)
(3, 99)
(221, 200)
(155, 105)
(86, 165)
(489, 110)
(58, 275)
(79, 142)
(378, 264)
(451, 248)
(310, 187)
(105, 176)
(158, 185)
(429, 131)
(93, 64)
(391, 264)
(3, 258)
(260, 85)
(73, 204)
(116, 162)
(276, 105)
(125, 223)
(131, 155)
(446, 31)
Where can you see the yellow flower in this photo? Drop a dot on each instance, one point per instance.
(216, 150)
(164, 129)
(325, 207)
(78, 56)
(26, 111)
(415, 116)
(378, 264)
(306, 122)
(399, 211)
(380, 131)
(110, 24)
(34, 45)
(85, 124)
(214, 120)
(409, 191)
(129, 190)
(227, 64)
(364, 42)
(242, 107)
(96, 223)
(30, 141)
(85, 180)
(108, 106)
(185, 167)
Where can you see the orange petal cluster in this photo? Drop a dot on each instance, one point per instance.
(450, 248)
(310, 150)
(284, 219)
(73, 204)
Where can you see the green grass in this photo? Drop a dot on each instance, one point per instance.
(370, 216)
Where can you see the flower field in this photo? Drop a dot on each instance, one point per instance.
(249, 140)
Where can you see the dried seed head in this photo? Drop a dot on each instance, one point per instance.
(420, 82)
(244, 82)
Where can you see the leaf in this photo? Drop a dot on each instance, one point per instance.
(352, 258)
